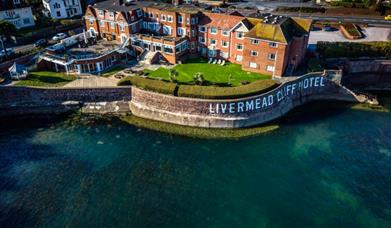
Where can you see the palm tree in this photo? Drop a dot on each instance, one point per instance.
(199, 78)
(173, 75)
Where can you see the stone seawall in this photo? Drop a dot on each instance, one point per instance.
(238, 113)
(27, 100)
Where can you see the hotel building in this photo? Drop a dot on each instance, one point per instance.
(273, 45)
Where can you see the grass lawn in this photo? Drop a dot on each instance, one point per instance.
(113, 71)
(212, 73)
(46, 79)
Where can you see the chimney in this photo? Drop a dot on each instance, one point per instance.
(177, 2)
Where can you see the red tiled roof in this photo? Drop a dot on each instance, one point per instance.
(220, 20)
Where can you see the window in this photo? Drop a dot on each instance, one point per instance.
(168, 49)
(270, 68)
(26, 21)
(224, 55)
(169, 18)
(150, 14)
(181, 31)
(192, 21)
(239, 35)
(58, 14)
(111, 14)
(271, 56)
(213, 30)
(254, 41)
(57, 6)
(179, 19)
(225, 32)
(201, 39)
(163, 17)
(224, 43)
(101, 24)
(192, 45)
(187, 21)
(100, 12)
(166, 30)
(192, 33)
(239, 58)
(212, 42)
(253, 53)
(139, 13)
(239, 47)
(122, 27)
(91, 21)
(253, 65)
(202, 29)
(132, 18)
(273, 44)
(111, 24)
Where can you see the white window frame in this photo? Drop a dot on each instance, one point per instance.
(213, 32)
(111, 14)
(253, 53)
(225, 32)
(169, 18)
(163, 17)
(100, 12)
(202, 29)
(253, 65)
(271, 56)
(201, 39)
(239, 58)
(213, 43)
(180, 19)
(270, 68)
(239, 49)
(273, 44)
(242, 35)
(226, 42)
(255, 41)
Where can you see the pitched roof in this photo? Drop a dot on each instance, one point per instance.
(220, 20)
(281, 32)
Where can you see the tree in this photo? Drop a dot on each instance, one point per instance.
(7, 29)
(173, 75)
(199, 78)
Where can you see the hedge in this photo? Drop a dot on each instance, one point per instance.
(149, 84)
(213, 92)
(354, 50)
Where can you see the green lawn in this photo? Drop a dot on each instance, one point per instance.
(212, 73)
(46, 79)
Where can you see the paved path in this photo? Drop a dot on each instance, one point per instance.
(89, 81)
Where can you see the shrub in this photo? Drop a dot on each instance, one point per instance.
(149, 84)
(354, 50)
(213, 92)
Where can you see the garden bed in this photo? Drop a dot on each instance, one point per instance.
(46, 79)
(351, 31)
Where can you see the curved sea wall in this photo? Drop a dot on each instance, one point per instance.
(237, 113)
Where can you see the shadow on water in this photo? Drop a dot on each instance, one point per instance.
(27, 197)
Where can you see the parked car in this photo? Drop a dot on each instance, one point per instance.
(10, 51)
(328, 28)
(59, 36)
(387, 18)
(41, 43)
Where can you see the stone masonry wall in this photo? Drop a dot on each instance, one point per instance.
(238, 113)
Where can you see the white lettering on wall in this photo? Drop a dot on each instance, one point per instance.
(268, 100)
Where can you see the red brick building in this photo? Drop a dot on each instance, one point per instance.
(273, 45)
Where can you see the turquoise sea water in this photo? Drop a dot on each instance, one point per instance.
(319, 169)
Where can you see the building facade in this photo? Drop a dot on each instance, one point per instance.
(60, 9)
(17, 13)
(274, 45)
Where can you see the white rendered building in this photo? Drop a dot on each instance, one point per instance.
(59, 9)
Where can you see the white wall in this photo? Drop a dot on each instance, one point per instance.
(21, 17)
(66, 9)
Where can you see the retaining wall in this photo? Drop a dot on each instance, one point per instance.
(27, 100)
(238, 113)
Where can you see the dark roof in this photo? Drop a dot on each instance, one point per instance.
(114, 5)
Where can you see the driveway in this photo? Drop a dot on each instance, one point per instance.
(371, 34)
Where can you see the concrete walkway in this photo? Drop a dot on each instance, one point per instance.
(371, 34)
(90, 81)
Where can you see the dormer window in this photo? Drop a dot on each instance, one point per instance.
(111, 14)
(100, 12)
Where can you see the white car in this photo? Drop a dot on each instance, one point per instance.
(59, 36)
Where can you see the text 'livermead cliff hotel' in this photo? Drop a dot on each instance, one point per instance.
(269, 44)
